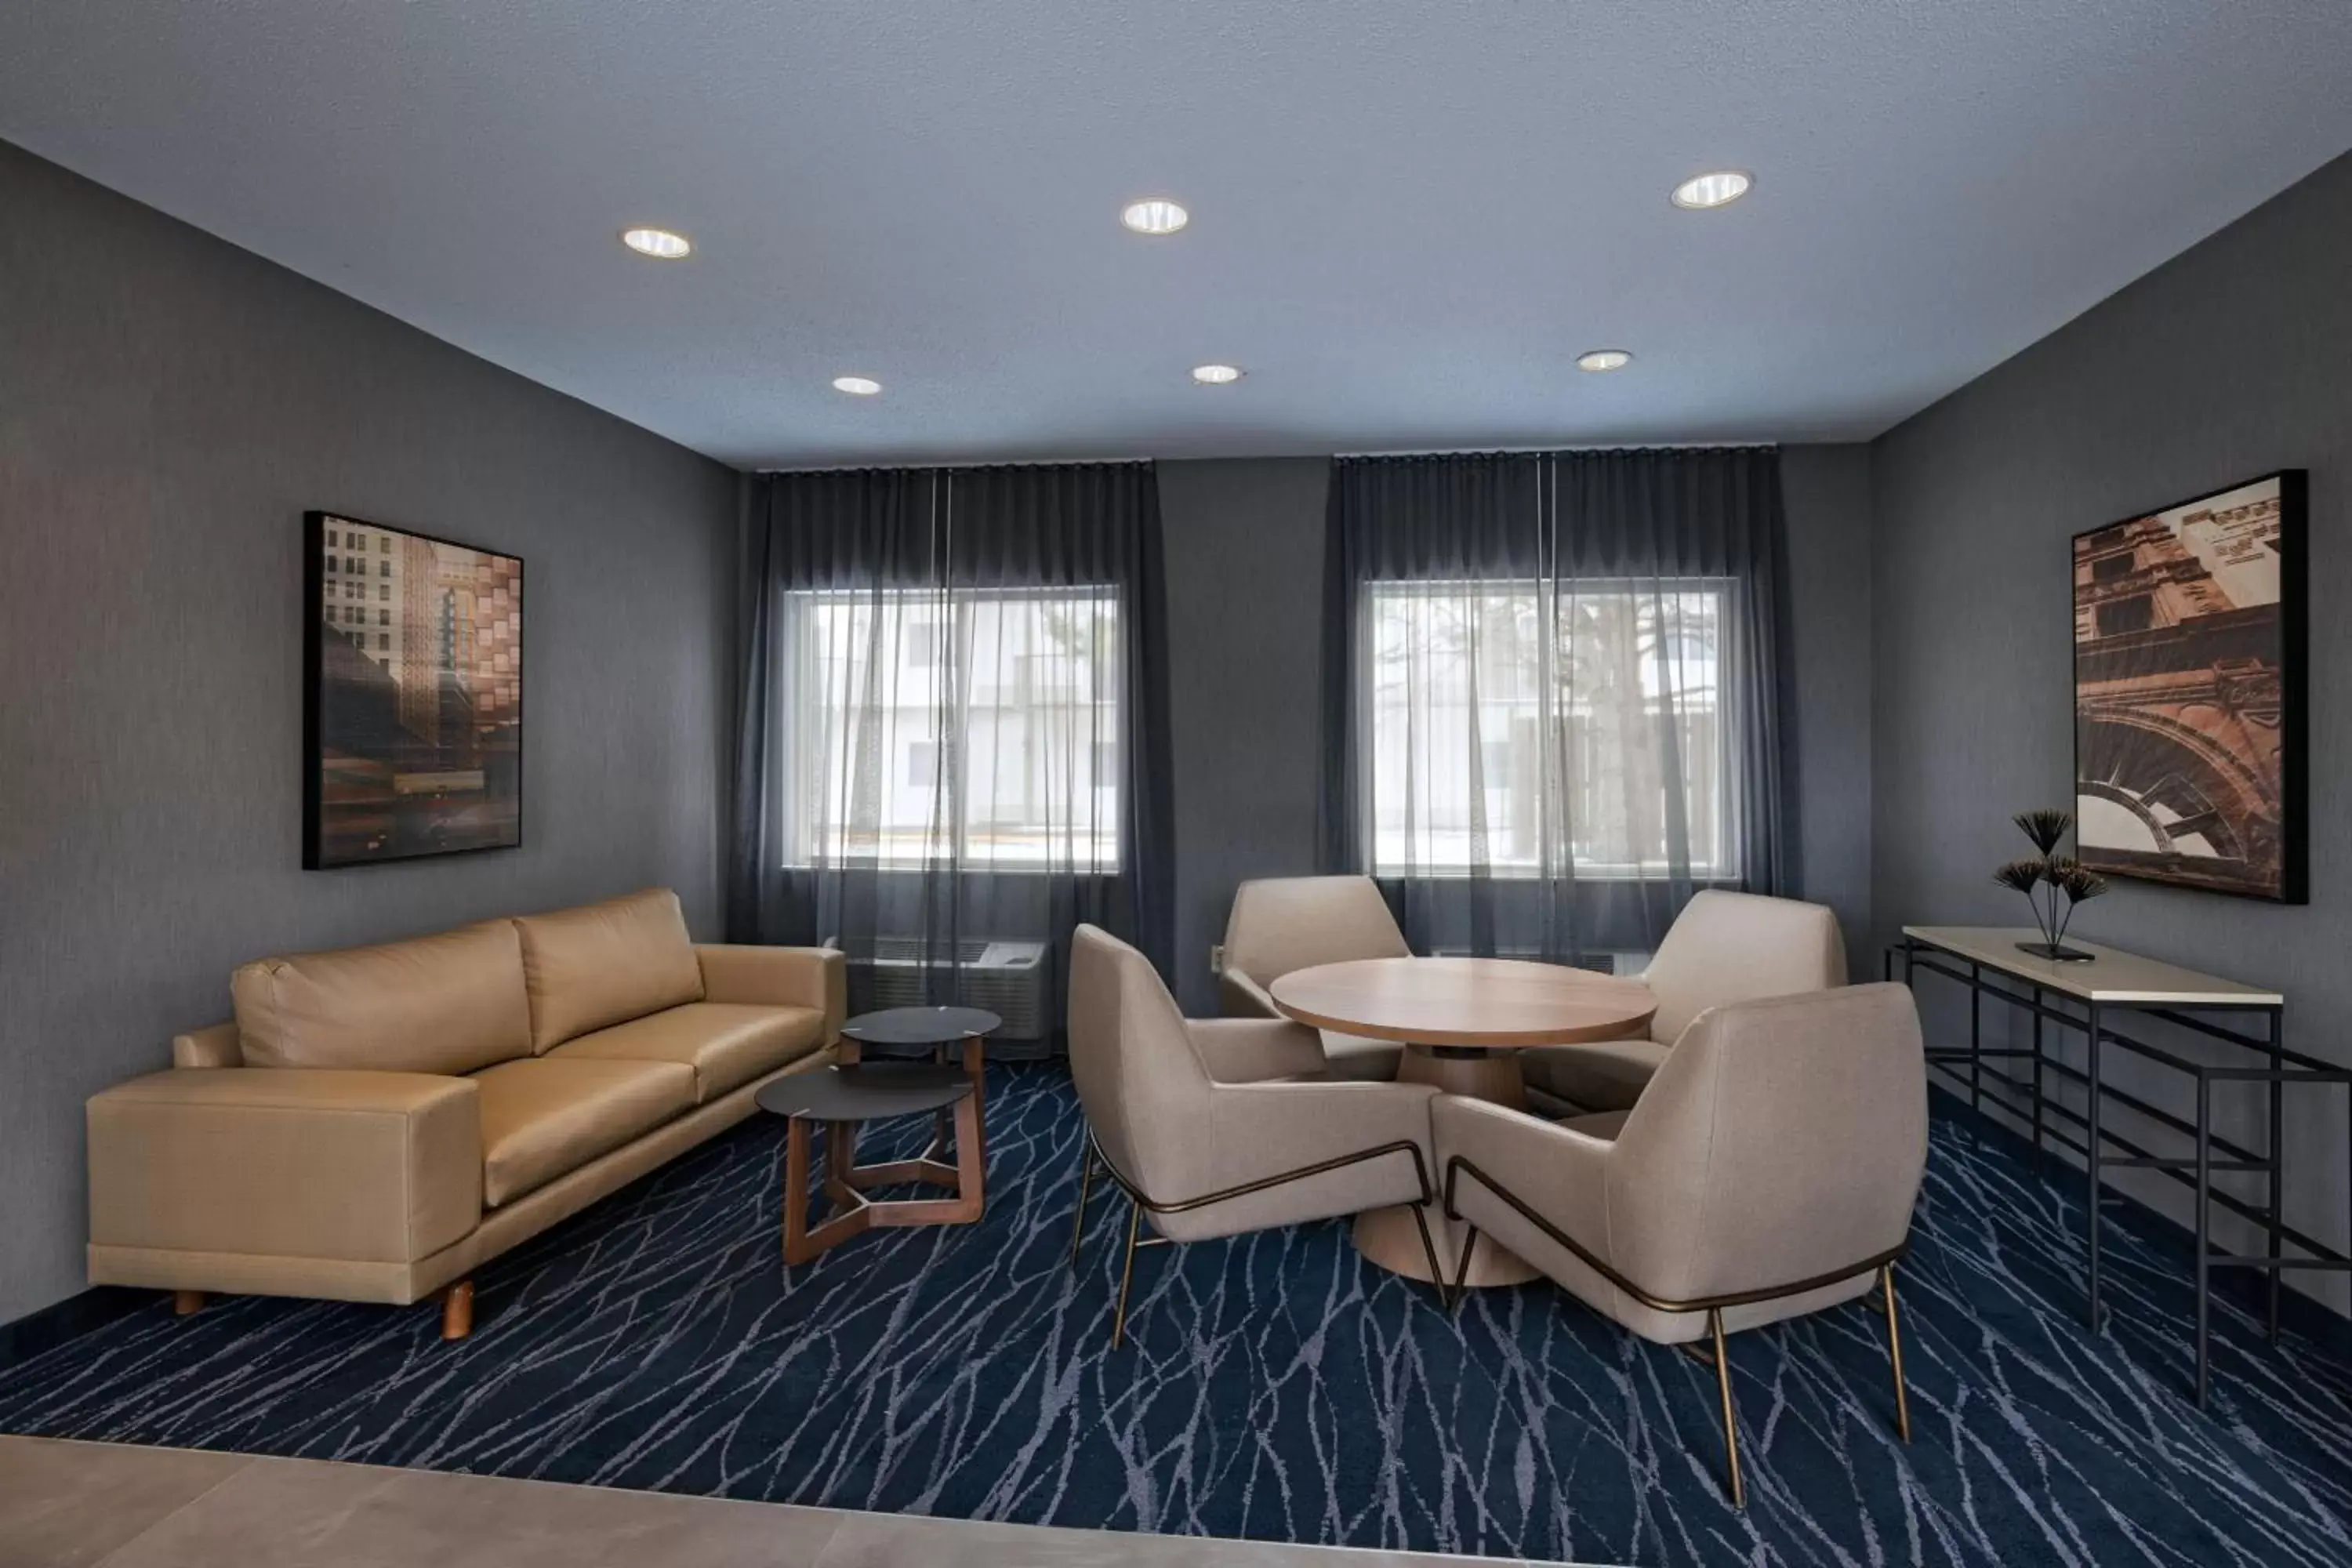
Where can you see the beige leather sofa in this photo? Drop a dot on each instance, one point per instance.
(378, 1122)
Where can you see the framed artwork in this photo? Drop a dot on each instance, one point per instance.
(2189, 693)
(412, 694)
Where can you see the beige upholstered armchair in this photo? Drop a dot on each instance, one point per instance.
(1770, 1171)
(1214, 1128)
(1723, 948)
(1284, 923)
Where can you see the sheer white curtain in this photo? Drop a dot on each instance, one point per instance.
(1551, 701)
(954, 729)
(932, 726)
(1543, 730)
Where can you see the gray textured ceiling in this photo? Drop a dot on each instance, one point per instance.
(1409, 215)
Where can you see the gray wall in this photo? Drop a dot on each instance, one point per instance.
(2231, 361)
(1244, 552)
(169, 406)
(1244, 547)
(1825, 710)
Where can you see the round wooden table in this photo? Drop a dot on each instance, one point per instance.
(1463, 1022)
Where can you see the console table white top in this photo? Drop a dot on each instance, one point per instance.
(2114, 976)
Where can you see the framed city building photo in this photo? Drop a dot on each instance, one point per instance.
(2189, 684)
(412, 695)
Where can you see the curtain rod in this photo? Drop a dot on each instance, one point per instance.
(1537, 451)
(935, 466)
(1380, 452)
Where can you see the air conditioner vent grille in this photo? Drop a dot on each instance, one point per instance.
(1008, 978)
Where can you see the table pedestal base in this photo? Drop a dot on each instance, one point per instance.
(1387, 1236)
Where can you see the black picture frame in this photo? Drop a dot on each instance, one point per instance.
(2195, 750)
(359, 722)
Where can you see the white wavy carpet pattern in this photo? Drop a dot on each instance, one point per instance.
(1277, 1386)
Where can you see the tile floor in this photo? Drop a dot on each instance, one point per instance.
(68, 1505)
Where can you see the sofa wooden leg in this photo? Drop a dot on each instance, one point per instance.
(187, 1303)
(457, 1310)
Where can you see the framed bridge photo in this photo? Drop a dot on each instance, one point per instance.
(2189, 693)
(412, 695)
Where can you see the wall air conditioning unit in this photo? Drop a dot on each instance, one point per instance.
(1008, 978)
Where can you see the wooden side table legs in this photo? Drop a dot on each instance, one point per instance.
(853, 1213)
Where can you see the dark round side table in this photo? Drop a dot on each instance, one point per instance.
(939, 1030)
(842, 1098)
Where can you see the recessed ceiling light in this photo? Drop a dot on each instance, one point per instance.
(1717, 188)
(1156, 214)
(857, 385)
(1603, 359)
(1217, 374)
(658, 243)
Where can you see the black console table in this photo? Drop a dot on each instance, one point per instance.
(2086, 998)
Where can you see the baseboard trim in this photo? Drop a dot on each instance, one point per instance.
(36, 1333)
(2298, 1313)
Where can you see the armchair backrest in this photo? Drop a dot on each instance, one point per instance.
(1780, 1140)
(1144, 1088)
(1283, 924)
(1740, 947)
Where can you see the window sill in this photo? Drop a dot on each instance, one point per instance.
(1709, 876)
(963, 869)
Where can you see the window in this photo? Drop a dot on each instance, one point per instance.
(383, 590)
(383, 642)
(990, 751)
(384, 617)
(2119, 616)
(1538, 730)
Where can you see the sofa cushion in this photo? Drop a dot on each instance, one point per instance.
(543, 1117)
(449, 1003)
(728, 1044)
(605, 963)
(1608, 1075)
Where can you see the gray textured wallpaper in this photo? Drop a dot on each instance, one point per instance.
(169, 407)
(2233, 360)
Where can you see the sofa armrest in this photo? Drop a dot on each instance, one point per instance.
(366, 1167)
(1261, 1130)
(1559, 1172)
(214, 1046)
(1252, 1050)
(815, 977)
(1246, 998)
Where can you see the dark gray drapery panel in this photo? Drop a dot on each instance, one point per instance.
(954, 728)
(1550, 686)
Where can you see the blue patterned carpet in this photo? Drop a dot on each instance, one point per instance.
(1279, 1387)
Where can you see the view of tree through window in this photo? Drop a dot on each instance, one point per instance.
(923, 728)
(1543, 729)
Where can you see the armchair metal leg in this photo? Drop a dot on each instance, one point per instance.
(1462, 1270)
(1731, 1425)
(1078, 1223)
(1894, 1354)
(1126, 1277)
(1429, 1251)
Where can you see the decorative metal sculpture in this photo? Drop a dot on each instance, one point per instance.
(2069, 883)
